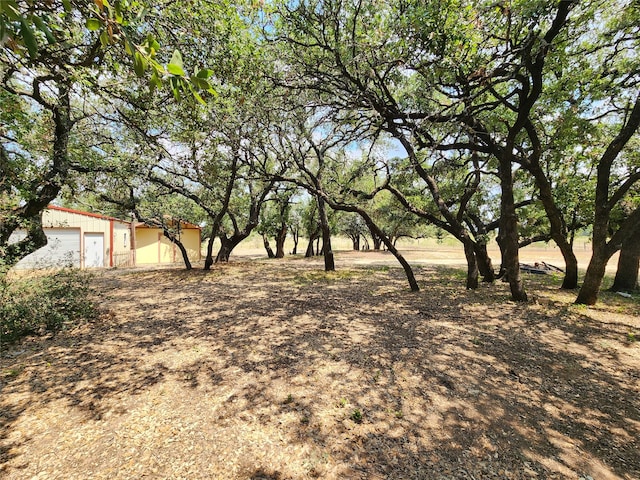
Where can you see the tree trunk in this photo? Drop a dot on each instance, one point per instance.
(509, 231)
(209, 260)
(628, 265)
(35, 239)
(267, 247)
(355, 242)
(296, 238)
(472, 264)
(310, 252)
(329, 264)
(502, 271)
(559, 232)
(485, 266)
(413, 284)
(185, 256)
(226, 247)
(224, 252)
(602, 251)
(376, 240)
(590, 289)
(228, 244)
(29, 214)
(280, 239)
(377, 233)
(183, 251)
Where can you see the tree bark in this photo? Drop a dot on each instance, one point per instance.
(603, 251)
(485, 266)
(281, 237)
(559, 231)
(185, 256)
(413, 284)
(376, 232)
(355, 241)
(176, 241)
(310, 251)
(267, 247)
(509, 231)
(329, 264)
(628, 265)
(590, 289)
(227, 245)
(472, 264)
(208, 261)
(604, 202)
(296, 238)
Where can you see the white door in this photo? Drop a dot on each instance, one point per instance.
(62, 249)
(93, 250)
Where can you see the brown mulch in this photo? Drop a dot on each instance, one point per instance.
(277, 370)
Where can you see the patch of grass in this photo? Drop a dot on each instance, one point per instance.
(379, 268)
(342, 403)
(309, 278)
(632, 337)
(11, 372)
(46, 303)
(288, 400)
(356, 416)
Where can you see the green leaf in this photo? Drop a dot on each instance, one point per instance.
(204, 73)
(29, 38)
(42, 26)
(104, 38)
(176, 67)
(93, 24)
(139, 64)
(175, 83)
(200, 83)
(67, 5)
(11, 9)
(155, 81)
(198, 97)
(175, 70)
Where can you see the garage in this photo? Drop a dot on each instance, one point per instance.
(62, 249)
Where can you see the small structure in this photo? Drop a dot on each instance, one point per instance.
(89, 240)
(80, 239)
(152, 246)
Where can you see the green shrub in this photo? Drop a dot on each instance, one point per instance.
(37, 304)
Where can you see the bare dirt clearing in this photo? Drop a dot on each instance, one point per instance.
(276, 370)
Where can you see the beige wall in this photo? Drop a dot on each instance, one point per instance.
(118, 254)
(153, 247)
(121, 244)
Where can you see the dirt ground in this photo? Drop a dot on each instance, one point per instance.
(264, 369)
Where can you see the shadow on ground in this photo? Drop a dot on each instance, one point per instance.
(270, 370)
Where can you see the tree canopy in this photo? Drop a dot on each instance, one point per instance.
(517, 119)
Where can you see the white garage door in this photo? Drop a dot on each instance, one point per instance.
(62, 249)
(94, 250)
